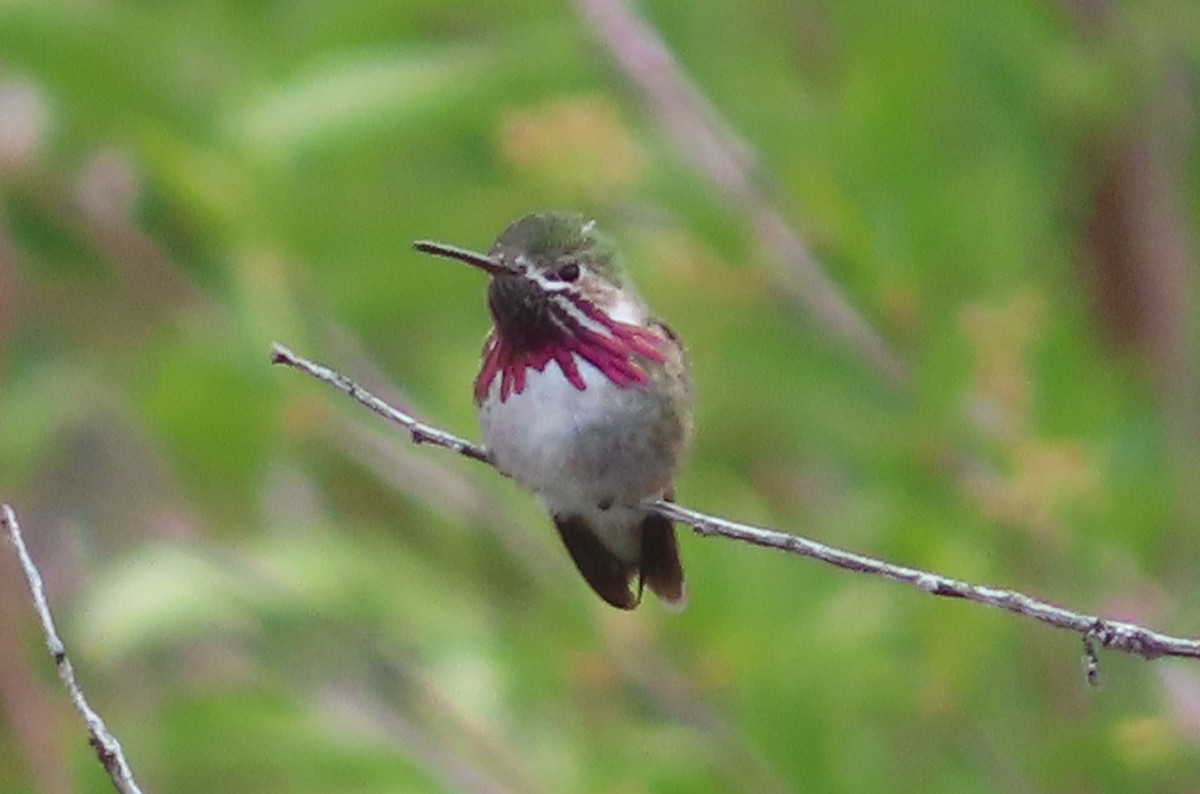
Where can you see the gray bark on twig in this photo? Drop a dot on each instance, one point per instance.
(1093, 629)
(108, 749)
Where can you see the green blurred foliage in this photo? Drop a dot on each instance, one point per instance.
(264, 588)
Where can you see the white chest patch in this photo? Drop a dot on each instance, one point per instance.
(592, 452)
(534, 436)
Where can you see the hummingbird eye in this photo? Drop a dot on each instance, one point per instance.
(568, 272)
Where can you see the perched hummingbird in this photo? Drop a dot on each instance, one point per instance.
(584, 397)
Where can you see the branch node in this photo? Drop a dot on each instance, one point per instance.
(929, 583)
(1091, 662)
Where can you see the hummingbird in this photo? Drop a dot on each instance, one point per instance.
(584, 398)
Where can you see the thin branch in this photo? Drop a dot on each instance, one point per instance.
(108, 749)
(1094, 630)
(712, 147)
(716, 151)
(1112, 634)
(421, 433)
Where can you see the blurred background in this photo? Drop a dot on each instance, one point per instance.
(989, 369)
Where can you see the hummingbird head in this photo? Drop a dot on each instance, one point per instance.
(549, 272)
(562, 271)
(556, 292)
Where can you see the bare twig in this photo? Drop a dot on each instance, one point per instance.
(1112, 634)
(421, 433)
(108, 749)
(716, 152)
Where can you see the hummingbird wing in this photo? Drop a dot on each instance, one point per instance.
(661, 570)
(607, 573)
(611, 577)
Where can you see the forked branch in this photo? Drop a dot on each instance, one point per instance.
(1093, 629)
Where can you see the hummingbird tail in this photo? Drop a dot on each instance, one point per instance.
(612, 577)
(607, 573)
(661, 569)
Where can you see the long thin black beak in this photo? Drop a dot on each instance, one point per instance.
(481, 261)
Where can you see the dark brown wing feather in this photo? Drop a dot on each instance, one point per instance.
(661, 569)
(608, 575)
